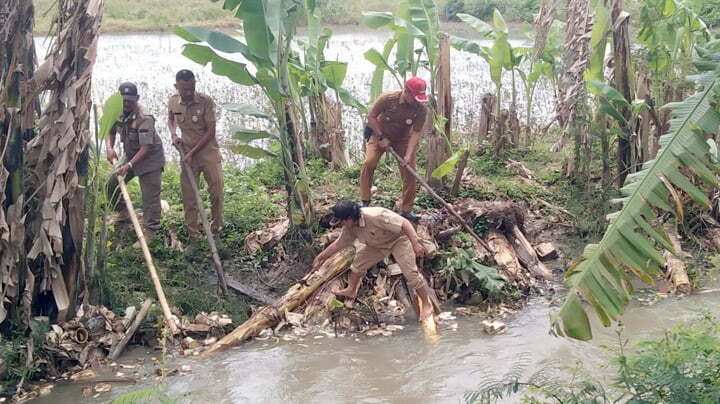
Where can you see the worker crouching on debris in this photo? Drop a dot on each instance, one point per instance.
(382, 232)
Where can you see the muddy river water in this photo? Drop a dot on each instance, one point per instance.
(403, 368)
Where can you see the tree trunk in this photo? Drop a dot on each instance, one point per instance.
(487, 108)
(53, 156)
(575, 60)
(270, 315)
(621, 65)
(437, 142)
(458, 175)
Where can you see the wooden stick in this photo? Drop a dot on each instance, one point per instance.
(117, 349)
(206, 224)
(441, 200)
(146, 254)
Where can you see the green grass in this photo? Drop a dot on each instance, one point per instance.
(248, 205)
(157, 15)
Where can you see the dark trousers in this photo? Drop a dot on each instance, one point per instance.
(150, 187)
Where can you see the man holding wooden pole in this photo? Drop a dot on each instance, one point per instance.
(144, 158)
(395, 120)
(194, 114)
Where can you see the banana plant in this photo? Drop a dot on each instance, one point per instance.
(416, 28)
(669, 32)
(269, 27)
(602, 276)
(500, 56)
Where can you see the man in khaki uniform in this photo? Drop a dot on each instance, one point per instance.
(396, 119)
(144, 158)
(382, 232)
(194, 113)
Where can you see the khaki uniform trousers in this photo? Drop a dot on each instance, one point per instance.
(150, 187)
(372, 156)
(366, 257)
(212, 172)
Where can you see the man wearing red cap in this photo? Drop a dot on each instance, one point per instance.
(396, 119)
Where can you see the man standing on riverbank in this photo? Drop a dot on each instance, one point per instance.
(382, 232)
(194, 113)
(396, 119)
(144, 158)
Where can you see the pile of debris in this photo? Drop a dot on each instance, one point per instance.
(384, 299)
(96, 334)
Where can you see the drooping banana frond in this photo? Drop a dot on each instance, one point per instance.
(630, 244)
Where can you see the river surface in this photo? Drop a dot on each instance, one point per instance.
(151, 61)
(403, 368)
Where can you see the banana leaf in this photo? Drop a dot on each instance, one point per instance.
(631, 242)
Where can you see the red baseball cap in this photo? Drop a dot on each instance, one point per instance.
(416, 86)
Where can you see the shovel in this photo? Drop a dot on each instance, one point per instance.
(146, 253)
(441, 200)
(203, 218)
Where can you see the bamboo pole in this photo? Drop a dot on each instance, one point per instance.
(146, 254)
(441, 200)
(206, 224)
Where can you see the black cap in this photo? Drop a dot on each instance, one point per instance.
(345, 210)
(129, 91)
(184, 75)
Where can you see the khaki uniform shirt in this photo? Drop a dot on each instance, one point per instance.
(377, 227)
(396, 116)
(193, 119)
(136, 130)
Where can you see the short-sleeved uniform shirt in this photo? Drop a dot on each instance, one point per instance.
(396, 116)
(377, 227)
(193, 119)
(135, 130)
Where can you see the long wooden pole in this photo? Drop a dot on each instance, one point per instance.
(206, 224)
(146, 254)
(441, 200)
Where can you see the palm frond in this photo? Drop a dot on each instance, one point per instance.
(630, 244)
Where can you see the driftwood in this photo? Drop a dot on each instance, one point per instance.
(117, 349)
(271, 315)
(527, 256)
(674, 266)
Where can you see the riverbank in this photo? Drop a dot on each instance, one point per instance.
(154, 16)
(161, 16)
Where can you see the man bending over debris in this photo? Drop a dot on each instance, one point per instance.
(382, 232)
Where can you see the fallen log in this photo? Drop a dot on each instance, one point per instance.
(117, 349)
(318, 308)
(527, 256)
(505, 257)
(270, 315)
(674, 266)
